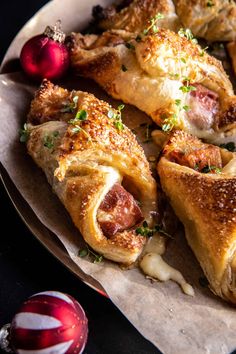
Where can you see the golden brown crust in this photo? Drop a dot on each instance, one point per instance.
(136, 16)
(83, 165)
(155, 68)
(211, 20)
(206, 205)
(231, 47)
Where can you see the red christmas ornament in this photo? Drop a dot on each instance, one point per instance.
(46, 55)
(48, 322)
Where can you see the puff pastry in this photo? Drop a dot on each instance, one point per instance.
(163, 74)
(213, 20)
(97, 170)
(232, 53)
(133, 16)
(200, 182)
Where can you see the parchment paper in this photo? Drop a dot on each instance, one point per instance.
(174, 322)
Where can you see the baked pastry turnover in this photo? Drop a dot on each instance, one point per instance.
(213, 20)
(232, 53)
(200, 182)
(165, 75)
(95, 167)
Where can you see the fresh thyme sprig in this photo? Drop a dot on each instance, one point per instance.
(49, 140)
(81, 116)
(71, 106)
(117, 117)
(24, 134)
(153, 22)
(169, 122)
(144, 230)
(210, 3)
(151, 28)
(187, 33)
(87, 251)
(187, 87)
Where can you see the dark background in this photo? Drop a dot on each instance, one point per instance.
(27, 268)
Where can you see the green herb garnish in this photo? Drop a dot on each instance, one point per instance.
(169, 122)
(187, 88)
(229, 146)
(129, 46)
(124, 68)
(144, 230)
(203, 51)
(175, 76)
(81, 116)
(117, 117)
(70, 107)
(178, 102)
(187, 33)
(153, 25)
(119, 125)
(48, 142)
(24, 134)
(210, 3)
(50, 139)
(95, 257)
(208, 169)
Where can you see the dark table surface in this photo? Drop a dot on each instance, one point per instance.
(27, 268)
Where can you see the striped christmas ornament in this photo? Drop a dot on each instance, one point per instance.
(49, 323)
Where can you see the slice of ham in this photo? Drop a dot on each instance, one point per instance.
(204, 105)
(118, 211)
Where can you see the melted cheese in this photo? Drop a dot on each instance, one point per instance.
(153, 265)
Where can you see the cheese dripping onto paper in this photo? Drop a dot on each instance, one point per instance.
(153, 265)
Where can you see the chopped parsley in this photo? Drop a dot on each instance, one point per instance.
(124, 68)
(95, 257)
(71, 106)
(24, 134)
(229, 146)
(187, 33)
(144, 230)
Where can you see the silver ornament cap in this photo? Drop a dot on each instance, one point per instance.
(4, 338)
(55, 32)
